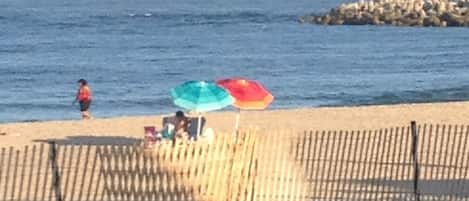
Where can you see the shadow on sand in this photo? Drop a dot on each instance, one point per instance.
(427, 188)
(94, 140)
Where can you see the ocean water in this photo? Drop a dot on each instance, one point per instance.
(133, 51)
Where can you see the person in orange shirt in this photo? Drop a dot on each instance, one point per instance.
(84, 98)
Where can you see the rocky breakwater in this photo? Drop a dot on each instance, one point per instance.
(438, 13)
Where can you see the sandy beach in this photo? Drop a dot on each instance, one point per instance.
(128, 129)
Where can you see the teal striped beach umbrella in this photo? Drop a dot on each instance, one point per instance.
(201, 96)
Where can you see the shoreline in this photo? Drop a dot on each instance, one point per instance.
(156, 114)
(299, 119)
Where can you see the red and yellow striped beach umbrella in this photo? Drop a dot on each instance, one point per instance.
(248, 94)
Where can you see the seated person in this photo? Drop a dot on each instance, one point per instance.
(181, 124)
(176, 126)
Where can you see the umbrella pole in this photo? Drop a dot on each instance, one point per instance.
(199, 124)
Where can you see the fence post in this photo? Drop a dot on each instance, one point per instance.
(55, 170)
(415, 138)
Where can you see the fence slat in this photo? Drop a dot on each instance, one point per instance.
(89, 191)
(30, 175)
(446, 155)
(7, 173)
(309, 157)
(102, 157)
(2, 157)
(224, 170)
(120, 165)
(146, 177)
(68, 168)
(266, 163)
(62, 167)
(36, 190)
(379, 164)
(329, 194)
(251, 193)
(334, 160)
(322, 160)
(343, 150)
(347, 159)
(23, 172)
(427, 162)
(46, 175)
(166, 176)
(368, 194)
(311, 189)
(123, 184)
(450, 161)
(15, 171)
(285, 179)
(382, 189)
(463, 176)
(394, 161)
(152, 177)
(360, 172)
(208, 149)
(84, 176)
(290, 171)
(434, 155)
(213, 169)
(75, 174)
(466, 171)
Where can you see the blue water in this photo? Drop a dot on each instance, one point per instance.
(134, 51)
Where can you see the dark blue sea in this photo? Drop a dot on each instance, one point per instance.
(133, 51)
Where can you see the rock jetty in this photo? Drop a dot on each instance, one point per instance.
(437, 13)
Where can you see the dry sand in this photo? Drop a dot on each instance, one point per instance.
(130, 128)
(304, 168)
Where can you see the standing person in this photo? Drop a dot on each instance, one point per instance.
(84, 98)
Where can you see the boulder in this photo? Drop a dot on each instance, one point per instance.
(318, 20)
(349, 15)
(326, 19)
(367, 18)
(431, 21)
(337, 22)
(427, 6)
(376, 20)
(410, 21)
(453, 19)
(311, 19)
(444, 23)
(302, 19)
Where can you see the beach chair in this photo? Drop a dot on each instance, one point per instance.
(192, 130)
(166, 120)
(149, 138)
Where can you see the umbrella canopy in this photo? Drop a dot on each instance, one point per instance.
(248, 94)
(200, 96)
